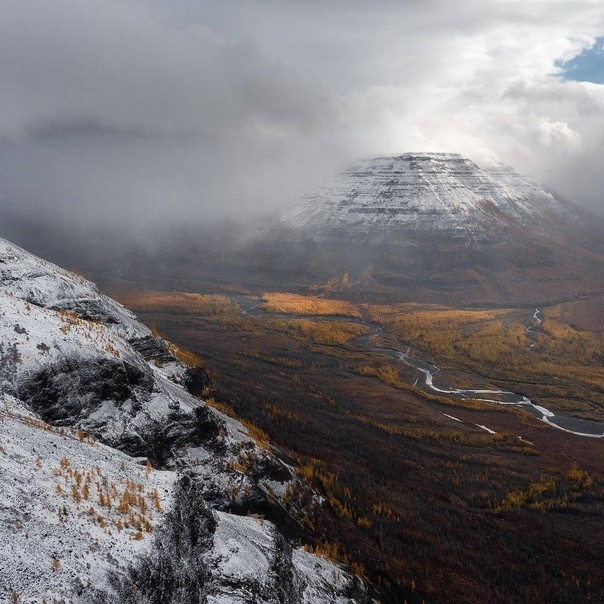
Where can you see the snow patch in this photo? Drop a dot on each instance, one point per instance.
(50, 541)
(485, 428)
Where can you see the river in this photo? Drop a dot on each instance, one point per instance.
(427, 372)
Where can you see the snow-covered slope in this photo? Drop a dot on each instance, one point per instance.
(76, 371)
(44, 284)
(441, 192)
(108, 464)
(62, 524)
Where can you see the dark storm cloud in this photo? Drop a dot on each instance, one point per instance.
(139, 111)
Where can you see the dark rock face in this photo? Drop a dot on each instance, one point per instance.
(69, 392)
(89, 310)
(288, 588)
(196, 380)
(152, 349)
(160, 441)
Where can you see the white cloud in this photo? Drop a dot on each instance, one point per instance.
(194, 107)
(556, 133)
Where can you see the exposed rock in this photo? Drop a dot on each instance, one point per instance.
(76, 365)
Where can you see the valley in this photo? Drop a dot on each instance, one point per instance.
(414, 353)
(416, 480)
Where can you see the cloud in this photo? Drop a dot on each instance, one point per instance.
(146, 111)
(114, 67)
(556, 133)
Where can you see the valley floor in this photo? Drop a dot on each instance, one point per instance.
(453, 501)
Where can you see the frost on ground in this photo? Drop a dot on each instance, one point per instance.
(70, 508)
(44, 284)
(116, 480)
(250, 553)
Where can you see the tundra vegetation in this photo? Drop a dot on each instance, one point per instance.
(427, 507)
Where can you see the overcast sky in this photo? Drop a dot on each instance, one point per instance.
(184, 109)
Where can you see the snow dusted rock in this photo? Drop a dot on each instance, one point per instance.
(263, 563)
(44, 284)
(435, 192)
(75, 371)
(82, 521)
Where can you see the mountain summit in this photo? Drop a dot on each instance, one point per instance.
(439, 228)
(442, 192)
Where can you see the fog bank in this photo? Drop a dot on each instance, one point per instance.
(142, 113)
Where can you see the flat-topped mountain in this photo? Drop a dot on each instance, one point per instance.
(442, 192)
(437, 227)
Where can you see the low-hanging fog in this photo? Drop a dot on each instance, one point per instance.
(141, 113)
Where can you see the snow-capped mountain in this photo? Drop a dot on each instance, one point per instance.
(436, 227)
(117, 483)
(438, 192)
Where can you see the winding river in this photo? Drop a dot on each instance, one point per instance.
(427, 372)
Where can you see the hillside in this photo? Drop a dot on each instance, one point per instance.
(117, 480)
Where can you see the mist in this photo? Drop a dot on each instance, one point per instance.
(148, 115)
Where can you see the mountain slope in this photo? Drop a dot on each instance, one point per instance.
(82, 521)
(436, 227)
(441, 192)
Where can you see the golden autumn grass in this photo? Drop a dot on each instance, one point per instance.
(329, 333)
(307, 305)
(563, 364)
(185, 302)
(560, 363)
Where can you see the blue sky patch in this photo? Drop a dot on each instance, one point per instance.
(588, 66)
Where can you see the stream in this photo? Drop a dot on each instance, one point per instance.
(427, 372)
